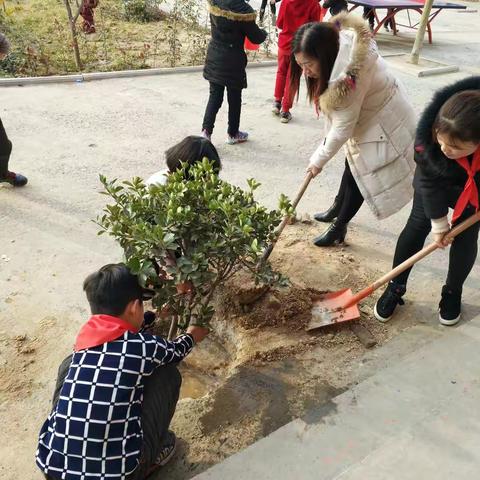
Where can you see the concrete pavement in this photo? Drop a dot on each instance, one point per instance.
(417, 419)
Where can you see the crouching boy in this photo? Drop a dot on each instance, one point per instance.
(116, 394)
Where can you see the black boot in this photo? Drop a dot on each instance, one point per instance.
(333, 235)
(330, 214)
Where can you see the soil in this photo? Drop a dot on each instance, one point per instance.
(256, 371)
(261, 369)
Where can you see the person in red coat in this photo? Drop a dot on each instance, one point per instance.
(87, 12)
(292, 15)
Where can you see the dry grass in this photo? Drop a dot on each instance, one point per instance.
(41, 39)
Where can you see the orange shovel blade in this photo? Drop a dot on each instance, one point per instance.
(329, 309)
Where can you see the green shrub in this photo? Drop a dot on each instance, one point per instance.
(212, 228)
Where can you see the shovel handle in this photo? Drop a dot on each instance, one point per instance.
(285, 220)
(410, 261)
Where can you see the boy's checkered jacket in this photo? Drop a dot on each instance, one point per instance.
(94, 432)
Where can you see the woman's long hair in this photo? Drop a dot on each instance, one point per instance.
(319, 41)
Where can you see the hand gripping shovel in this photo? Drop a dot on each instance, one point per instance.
(281, 227)
(341, 306)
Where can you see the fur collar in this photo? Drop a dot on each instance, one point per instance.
(237, 11)
(428, 152)
(339, 89)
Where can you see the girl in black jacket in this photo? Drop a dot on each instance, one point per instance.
(232, 21)
(447, 152)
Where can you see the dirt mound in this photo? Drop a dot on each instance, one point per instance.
(243, 289)
(290, 307)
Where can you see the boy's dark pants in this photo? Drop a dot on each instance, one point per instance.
(5, 150)
(160, 398)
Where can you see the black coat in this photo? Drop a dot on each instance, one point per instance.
(232, 21)
(439, 179)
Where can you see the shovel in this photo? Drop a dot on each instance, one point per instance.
(341, 306)
(281, 227)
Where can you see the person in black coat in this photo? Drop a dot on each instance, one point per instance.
(231, 22)
(447, 153)
(6, 176)
(335, 6)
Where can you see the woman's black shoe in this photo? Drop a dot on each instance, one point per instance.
(330, 214)
(333, 235)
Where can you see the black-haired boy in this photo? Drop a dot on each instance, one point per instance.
(117, 393)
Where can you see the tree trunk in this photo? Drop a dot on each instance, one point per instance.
(173, 328)
(427, 8)
(72, 20)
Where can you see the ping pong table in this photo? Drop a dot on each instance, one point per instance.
(392, 7)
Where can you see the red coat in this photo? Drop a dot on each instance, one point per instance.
(292, 15)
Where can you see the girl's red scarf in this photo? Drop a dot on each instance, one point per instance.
(470, 192)
(101, 329)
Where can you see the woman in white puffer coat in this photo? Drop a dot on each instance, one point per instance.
(366, 111)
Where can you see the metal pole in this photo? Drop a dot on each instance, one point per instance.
(417, 46)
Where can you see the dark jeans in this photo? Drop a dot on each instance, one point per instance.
(463, 250)
(348, 196)
(368, 14)
(5, 150)
(273, 8)
(234, 97)
(160, 396)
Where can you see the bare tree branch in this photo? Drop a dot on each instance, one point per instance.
(73, 29)
(79, 9)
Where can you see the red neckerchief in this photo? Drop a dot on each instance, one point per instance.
(470, 191)
(101, 329)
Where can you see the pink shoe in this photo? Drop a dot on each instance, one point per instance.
(206, 135)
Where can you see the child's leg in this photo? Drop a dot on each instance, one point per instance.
(463, 254)
(160, 398)
(5, 150)
(370, 16)
(281, 80)
(234, 96)
(273, 8)
(263, 6)
(88, 18)
(215, 101)
(410, 241)
(62, 373)
(287, 101)
(412, 238)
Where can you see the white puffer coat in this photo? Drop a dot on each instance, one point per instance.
(368, 112)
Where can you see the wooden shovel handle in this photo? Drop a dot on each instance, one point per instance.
(281, 227)
(411, 261)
